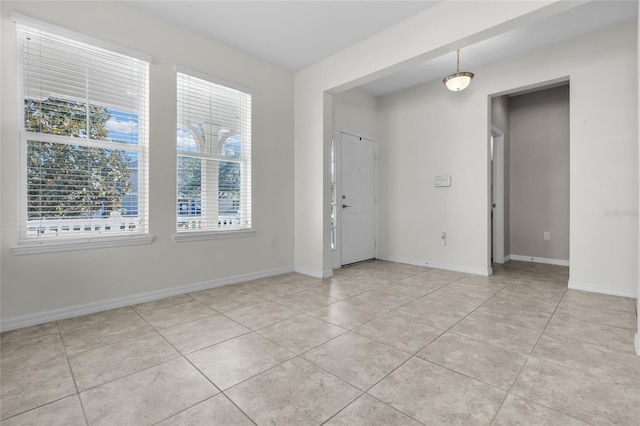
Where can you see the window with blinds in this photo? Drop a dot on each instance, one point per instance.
(84, 138)
(214, 156)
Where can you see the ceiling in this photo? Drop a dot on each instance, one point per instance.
(296, 34)
(572, 23)
(290, 34)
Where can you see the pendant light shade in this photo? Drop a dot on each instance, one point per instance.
(460, 80)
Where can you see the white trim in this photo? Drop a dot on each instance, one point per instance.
(119, 302)
(497, 172)
(88, 244)
(507, 258)
(485, 272)
(637, 343)
(206, 77)
(534, 259)
(63, 32)
(336, 255)
(88, 143)
(314, 272)
(602, 289)
(187, 236)
(207, 157)
(429, 264)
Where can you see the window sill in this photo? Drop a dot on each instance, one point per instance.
(186, 236)
(38, 247)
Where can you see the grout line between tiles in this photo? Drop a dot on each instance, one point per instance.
(151, 330)
(42, 406)
(178, 355)
(73, 376)
(278, 365)
(527, 361)
(370, 396)
(595, 322)
(353, 330)
(185, 409)
(201, 373)
(238, 407)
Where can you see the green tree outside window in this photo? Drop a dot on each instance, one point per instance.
(65, 180)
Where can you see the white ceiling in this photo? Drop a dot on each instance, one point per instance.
(291, 34)
(572, 23)
(296, 34)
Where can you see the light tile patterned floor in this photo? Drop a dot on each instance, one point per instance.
(381, 343)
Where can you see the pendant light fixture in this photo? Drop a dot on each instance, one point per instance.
(460, 80)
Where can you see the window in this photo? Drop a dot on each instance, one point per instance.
(214, 157)
(84, 171)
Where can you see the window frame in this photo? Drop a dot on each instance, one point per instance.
(90, 240)
(245, 161)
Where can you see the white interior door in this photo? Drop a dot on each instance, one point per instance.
(357, 198)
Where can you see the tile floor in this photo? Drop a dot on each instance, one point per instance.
(381, 343)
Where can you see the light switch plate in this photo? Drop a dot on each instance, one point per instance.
(441, 181)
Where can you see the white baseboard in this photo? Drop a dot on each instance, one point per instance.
(505, 259)
(560, 262)
(602, 289)
(456, 268)
(119, 302)
(328, 273)
(637, 343)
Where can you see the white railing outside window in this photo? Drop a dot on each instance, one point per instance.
(113, 225)
(84, 138)
(213, 147)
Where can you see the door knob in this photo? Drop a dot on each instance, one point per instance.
(344, 206)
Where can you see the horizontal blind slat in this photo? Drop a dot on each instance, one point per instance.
(84, 139)
(214, 161)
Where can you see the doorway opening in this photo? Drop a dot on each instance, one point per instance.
(529, 175)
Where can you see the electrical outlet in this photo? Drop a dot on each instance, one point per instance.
(547, 235)
(443, 238)
(273, 242)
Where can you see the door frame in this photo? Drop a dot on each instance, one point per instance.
(497, 224)
(336, 254)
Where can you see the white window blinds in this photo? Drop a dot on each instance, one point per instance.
(214, 156)
(84, 139)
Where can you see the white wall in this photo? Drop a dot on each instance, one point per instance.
(603, 167)
(48, 285)
(428, 131)
(356, 112)
(438, 30)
